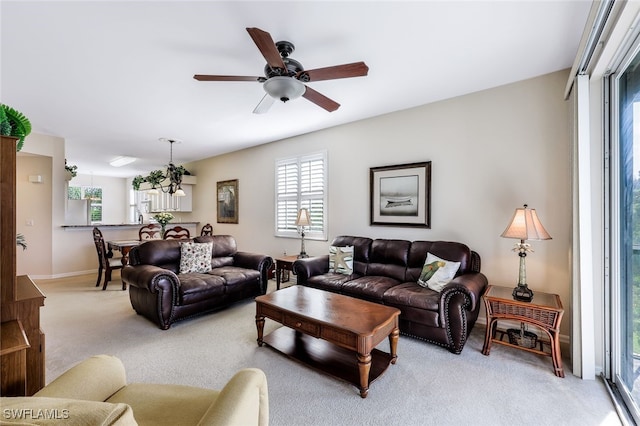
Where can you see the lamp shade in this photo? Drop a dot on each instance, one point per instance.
(525, 225)
(284, 88)
(303, 218)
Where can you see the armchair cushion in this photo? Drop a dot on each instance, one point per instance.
(70, 412)
(95, 392)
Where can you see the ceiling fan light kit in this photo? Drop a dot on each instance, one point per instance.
(284, 88)
(285, 77)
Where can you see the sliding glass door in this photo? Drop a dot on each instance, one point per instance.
(624, 238)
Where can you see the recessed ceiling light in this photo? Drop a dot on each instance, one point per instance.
(122, 161)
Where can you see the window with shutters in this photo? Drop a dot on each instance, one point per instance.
(301, 182)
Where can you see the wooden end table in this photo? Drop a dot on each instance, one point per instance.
(544, 311)
(283, 263)
(330, 332)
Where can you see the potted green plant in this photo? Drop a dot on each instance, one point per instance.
(14, 123)
(71, 171)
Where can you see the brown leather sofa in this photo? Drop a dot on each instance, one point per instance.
(386, 271)
(163, 295)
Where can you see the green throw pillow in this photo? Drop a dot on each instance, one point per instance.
(436, 272)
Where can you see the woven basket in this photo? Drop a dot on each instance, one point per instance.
(525, 339)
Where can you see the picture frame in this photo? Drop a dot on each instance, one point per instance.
(227, 201)
(400, 195)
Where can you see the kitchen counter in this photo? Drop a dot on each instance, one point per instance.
(125, 225)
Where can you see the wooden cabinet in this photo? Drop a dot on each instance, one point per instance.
(20, 298)
(166, 202)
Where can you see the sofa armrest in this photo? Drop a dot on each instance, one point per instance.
(310, 266)
(471, 285)
(256, 261)
(150, 277)
(94, 379)
(243, 401)
(459, 306)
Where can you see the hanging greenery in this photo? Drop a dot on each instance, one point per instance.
(155, 177)
(73, 170)
(14, 123)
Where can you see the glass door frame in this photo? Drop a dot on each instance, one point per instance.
(614, 310)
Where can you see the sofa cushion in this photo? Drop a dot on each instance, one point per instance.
(341, 260)
(236, 278)
(330, 281)
(369, 287)
(195, 257)
(453, 251)
(162, 253)
(437, 272)
(197, 287)
(388, 258)
(411, 294)
(361, 251)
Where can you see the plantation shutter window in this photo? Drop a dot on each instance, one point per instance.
(301, 183)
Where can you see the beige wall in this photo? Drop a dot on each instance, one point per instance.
(491, 152)
(33, 213)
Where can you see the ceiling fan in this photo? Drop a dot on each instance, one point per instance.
(285, 77)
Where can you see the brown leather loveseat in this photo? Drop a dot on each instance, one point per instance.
(387, 271)
(163, 293)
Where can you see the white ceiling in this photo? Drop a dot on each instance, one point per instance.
(114, 77)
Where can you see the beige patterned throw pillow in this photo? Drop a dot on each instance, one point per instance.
(195, 257)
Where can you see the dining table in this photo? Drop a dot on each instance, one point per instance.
(123, 246)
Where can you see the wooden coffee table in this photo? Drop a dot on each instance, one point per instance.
(330, 332)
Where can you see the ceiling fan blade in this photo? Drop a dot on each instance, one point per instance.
(264, 105)
(205, 77)
(267, 47)
(356, 69)
(319, 99)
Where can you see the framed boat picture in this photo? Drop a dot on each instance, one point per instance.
(401, 195)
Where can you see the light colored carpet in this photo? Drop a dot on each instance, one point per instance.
(428, 385)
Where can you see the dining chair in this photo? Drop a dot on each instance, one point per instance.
(177, 232)
(207, 229)
(151, 231)
(105, 262)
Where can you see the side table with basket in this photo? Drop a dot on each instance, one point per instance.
(544, 311)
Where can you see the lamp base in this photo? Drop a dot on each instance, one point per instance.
(303, 255)
(522, 293)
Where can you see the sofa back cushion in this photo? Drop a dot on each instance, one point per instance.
(224, 248)
(456, 252)
(361, 250)
(389, 258)
(162, 253)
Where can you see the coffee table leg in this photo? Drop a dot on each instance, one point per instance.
(393, 344)
(364, 365)
(260, 327)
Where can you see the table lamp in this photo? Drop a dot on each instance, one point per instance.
(302, 221)
(524, 225)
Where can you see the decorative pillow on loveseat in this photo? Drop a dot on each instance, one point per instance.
(195, 257)
(341, 260)
(436, 272)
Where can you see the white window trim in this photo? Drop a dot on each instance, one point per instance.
(309, 234)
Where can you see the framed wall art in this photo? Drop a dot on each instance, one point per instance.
(401, 195)
(228, 201)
